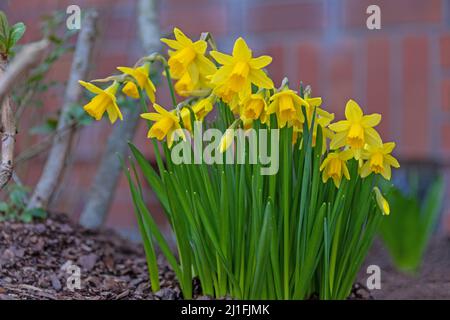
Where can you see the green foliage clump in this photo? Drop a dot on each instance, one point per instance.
(9, 35)
(14, 208)
(407, 231)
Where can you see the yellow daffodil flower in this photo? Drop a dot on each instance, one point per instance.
(141, 75)
(379, 160)
(323, 120)
(334, 166)
(311, 104)
(166, 124)
(357, 130)
(253, 106)
(105, 100)
(382, 202)
(265, 117)
(188, 57)
(184, 85)
(131, 90)
(186, 117)
(228, 96)
(202, 107)
(287, 106)
(240, 70)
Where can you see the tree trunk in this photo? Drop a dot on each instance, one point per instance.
(56, 161)
(107, 176)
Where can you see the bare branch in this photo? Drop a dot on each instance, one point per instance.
(43, 145)
(28, 57)
(107, 176)
(25, 60)
(59, 152)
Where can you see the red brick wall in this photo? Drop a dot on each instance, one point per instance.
(402, 70)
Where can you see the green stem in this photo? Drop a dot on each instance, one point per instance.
(154, 142)
(171, 88)
(285, 187)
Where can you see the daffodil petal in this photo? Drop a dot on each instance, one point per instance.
(340, 126)
(388, 147)
(372, 137)
(205, 66)
(338, 140)
(273, 106)
(346, 154)
(193, 72)
(200, 46)
(259, 78)
(162, 111)
(172, 43)
(337, 182)
(127, 70)
(152, 116)
(91, 87)
(325, 177)
(386, 173)
(150, 90)
(352, 111)
(365, 170)
(345, 171)
(112, 113)
(391, 161)
(221, 74)
(181, 37)
(246, 90)
(96, 107)
(170, 137)
(324, 163)
(221, 58)
(314, 102)
(241, 51)
(371, 120)
(260, 62)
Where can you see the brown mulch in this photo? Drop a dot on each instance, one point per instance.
(34, 259)
(432, 282)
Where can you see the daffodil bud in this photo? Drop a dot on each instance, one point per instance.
(131, 90)
(382, 202)
(226, 140)
(141, 76)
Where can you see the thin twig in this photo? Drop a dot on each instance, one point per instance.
(43, 145)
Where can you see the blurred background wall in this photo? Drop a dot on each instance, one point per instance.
(401, 71)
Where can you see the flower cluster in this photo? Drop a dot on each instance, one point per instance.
(240, 83)
(244, 233)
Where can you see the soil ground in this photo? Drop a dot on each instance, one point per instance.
(433, 281)
(34, 259)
